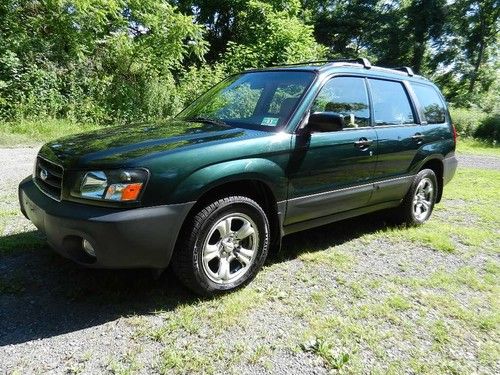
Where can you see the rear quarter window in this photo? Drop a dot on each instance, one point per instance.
(430, 102)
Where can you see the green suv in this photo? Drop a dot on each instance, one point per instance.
(260, 155)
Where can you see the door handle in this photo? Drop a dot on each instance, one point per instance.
(418, 137)
(363, 143)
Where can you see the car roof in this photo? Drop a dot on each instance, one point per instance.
(350, 66)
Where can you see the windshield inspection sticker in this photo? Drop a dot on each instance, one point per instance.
(269, 121)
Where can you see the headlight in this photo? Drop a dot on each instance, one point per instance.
(114, 185)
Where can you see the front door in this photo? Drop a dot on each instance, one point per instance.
(331, 172)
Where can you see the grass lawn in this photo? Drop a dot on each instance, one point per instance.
(27, 133)
(477, 147)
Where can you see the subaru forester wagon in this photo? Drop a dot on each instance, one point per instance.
(260, 155)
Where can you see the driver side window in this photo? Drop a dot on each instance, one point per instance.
(346, 96)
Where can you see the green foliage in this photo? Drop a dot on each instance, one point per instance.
(268, 36)
(117, 61)
(476, 123)
(93, 61)
(469, 44)
(466, 120)
(197, 80)
(489, 128)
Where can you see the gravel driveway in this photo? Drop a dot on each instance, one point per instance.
(58, 318)
(479, 161)
(16, 164)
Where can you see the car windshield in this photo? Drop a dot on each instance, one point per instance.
(263, 100)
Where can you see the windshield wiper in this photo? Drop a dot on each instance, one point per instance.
(207, 120)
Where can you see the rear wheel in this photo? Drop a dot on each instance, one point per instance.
(418, 203)
(222, 246)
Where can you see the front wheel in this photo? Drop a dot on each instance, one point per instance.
(222, 246)
(418, 203)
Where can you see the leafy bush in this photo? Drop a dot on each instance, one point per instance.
(195, 81)
(466, 120)
(489, 128)
(94, 62)
(471, 122)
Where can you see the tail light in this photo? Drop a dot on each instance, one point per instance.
(455, 135)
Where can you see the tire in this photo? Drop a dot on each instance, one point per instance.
(222, 246)
(416, 207)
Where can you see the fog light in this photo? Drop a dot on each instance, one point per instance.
(88, 248)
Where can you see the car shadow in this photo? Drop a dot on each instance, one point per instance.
(44, 295)
(329, 235)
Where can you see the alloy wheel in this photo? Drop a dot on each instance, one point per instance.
(230, 248)
(422, 199)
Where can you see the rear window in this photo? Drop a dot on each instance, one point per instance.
(431, 103)
(390, 103)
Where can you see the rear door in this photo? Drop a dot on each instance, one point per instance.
(433, 112)
(331, 172)
(399, 138)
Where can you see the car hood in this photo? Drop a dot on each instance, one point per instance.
(125, 144)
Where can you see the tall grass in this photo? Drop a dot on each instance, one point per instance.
(477, 147)
(30, 132)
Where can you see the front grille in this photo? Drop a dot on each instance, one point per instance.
(48, 177)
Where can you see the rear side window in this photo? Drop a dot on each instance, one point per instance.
(390, 103)
(431, 103)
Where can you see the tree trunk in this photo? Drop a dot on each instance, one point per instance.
(480, 53)
(477, 65)
(418, 56)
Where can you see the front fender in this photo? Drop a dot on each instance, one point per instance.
(207, 178)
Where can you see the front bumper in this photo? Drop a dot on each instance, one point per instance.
(130, 238)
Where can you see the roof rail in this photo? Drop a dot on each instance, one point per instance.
(406, 69)
(363, 61)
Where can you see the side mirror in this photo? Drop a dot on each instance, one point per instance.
(325, 122)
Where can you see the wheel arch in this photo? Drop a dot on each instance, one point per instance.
(254, 188)
(436, 165)
(260, 179)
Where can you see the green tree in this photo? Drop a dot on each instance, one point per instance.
(466, 58)
(125, 60)
(426, 20)
(345, 27)
(477, 23)
(267, 36)
(224, 20)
